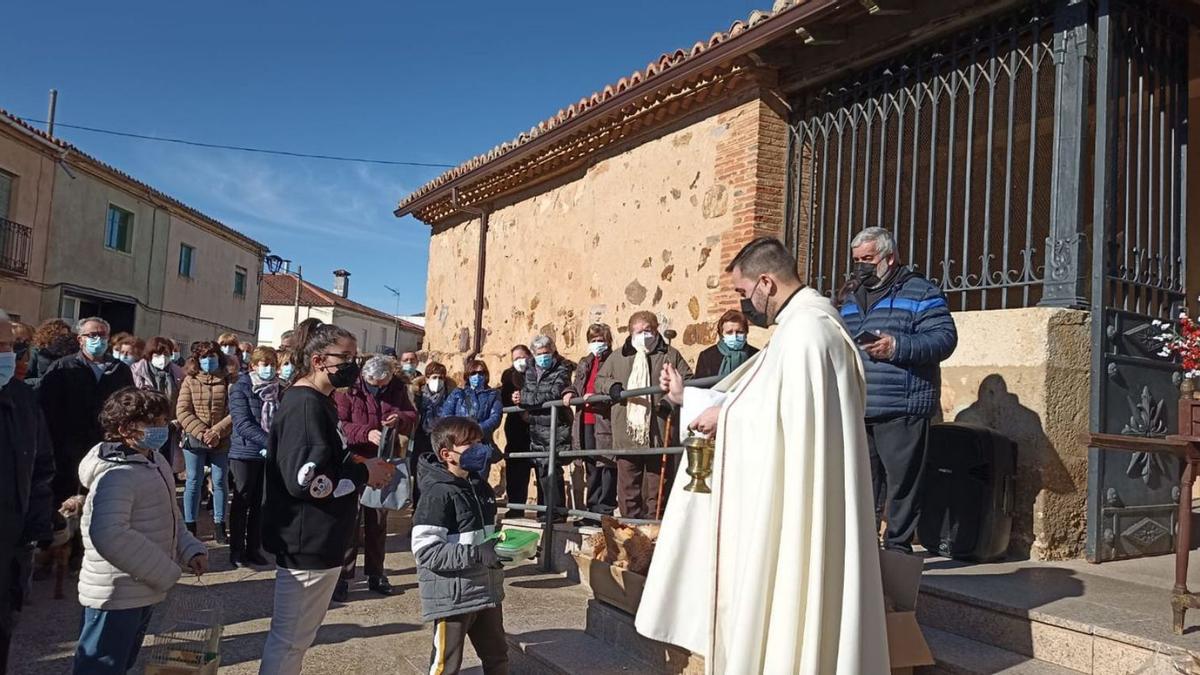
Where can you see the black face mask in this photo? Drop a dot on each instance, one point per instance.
(753, 315)
(865, 274)
(344, 375)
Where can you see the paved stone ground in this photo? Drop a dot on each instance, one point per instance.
(370, 634)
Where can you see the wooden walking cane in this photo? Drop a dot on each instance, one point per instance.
(662, 471)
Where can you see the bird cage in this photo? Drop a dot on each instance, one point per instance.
(190, 640)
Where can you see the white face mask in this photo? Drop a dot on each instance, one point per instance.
(159, 361)
(643, 340)
(435, 385)
(521, 364)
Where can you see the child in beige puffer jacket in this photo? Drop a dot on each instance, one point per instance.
(133, 536)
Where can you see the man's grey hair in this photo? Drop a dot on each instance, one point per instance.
(378, 368)
(83, 322)
(543, 341)
(885, 243)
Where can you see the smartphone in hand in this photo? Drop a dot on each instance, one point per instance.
(867, 337)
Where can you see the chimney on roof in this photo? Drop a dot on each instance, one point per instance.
(341, 283)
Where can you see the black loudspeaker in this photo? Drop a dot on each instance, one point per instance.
(969, 492)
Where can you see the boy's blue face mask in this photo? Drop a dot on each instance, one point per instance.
(209, 364)
(153, 438)
(475, 458)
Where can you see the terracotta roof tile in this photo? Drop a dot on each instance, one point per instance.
(13, 120)
(280, 289)
(653, 69)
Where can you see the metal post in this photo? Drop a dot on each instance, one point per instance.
(551, 497)
(1064, 246)
(50, 112)
(296, 310)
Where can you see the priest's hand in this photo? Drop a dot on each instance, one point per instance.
(671, 382)
(882, 349)
(706, 423)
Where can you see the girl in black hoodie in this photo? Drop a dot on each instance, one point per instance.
(310, 497)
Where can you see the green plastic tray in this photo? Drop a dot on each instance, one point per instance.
(516, 544)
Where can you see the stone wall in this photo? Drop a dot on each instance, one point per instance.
(650, 226)
(1026, 374)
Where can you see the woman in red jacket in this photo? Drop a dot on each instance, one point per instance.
(377, 400)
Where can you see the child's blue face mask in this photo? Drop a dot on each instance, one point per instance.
(154, 437)
(475, 458)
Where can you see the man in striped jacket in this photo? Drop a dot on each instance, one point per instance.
(903, 323)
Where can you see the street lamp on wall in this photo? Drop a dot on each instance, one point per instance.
(275, 265)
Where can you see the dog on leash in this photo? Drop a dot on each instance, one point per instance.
(58, 555)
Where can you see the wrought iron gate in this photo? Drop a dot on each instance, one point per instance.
(999, 157)
(1139, 271)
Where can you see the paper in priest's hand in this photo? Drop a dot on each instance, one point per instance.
(695, 402)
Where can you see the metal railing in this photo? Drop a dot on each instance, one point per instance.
(14, 247)
(554, 473)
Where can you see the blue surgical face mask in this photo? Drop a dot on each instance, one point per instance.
(127, 359)
(475, 458)
(266, 372)
(95, 346)
(597, 348)
(116, 355)
(409, 368)
(175, 356)
(735, 342)
(285, 371)
(229, 350)
(544, 360)
(153, 438)
(245, 357)
(8, 366)
(477, 380)
(209, 364)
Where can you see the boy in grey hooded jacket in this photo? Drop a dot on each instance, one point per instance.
(133, 536)
(458, 571)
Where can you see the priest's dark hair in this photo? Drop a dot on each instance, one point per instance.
(765, 255)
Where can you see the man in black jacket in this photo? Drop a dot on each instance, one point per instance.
(71, 395)
(27, 468)
(546, 379)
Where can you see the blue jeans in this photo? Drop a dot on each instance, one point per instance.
(194, 460)
(110, 639)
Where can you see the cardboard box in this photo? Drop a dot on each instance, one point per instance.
(901, 575)
(901, 582)
(615, 586)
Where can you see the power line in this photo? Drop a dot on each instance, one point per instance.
(263, 151)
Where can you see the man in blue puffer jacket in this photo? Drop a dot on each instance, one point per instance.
(904, 326)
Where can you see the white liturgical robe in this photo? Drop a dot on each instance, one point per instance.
(777, 570)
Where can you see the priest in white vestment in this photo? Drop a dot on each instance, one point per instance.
(777, 570)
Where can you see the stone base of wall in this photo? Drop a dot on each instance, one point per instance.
(1026, 374)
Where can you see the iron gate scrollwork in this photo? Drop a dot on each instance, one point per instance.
(1138, 270)
(1000, 157)
(948, 146)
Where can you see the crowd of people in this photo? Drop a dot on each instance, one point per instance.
(280, 442)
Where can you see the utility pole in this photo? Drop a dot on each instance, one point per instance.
(396, 316)
(296, 311)
(50, 113)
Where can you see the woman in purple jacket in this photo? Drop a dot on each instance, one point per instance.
(377, 400)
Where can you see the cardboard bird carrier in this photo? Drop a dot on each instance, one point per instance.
(190, 641)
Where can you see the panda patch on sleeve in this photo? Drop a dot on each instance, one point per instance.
(321, 487)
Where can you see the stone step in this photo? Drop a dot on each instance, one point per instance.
(957, 655)
(615, 628)
(1100, 634)
(569, 652)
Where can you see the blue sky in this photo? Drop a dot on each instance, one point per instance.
(402, 80)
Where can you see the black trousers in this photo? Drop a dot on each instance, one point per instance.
(601, 477)
(898, 447)
(371, 531)
(516, 477)
(544, 474)
(245, 511)
(486, 630)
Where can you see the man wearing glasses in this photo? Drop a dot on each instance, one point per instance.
(71, 394)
